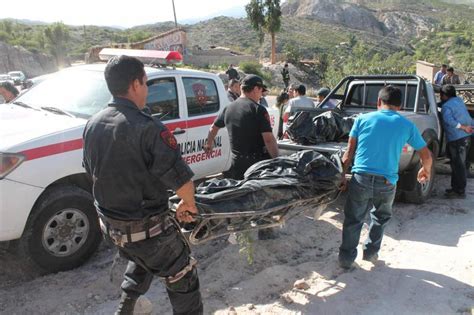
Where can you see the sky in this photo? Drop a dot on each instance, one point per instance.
(119, 13)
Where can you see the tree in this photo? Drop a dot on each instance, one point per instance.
(265, 17)
(57, 36)
(293, 55)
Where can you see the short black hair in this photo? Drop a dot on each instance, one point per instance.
(121, 71)
(448, 90)
(232, 82)
(444, 66)
(9, 87)
(301, 89)
(282, 97)
(450, 69)
(391, 95)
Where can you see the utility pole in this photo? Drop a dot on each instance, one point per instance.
(174, 12)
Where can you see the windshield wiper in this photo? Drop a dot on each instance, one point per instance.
(23, 105)
(57, 111)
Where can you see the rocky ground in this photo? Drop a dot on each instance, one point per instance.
(426, 266)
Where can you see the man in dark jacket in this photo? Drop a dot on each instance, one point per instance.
(133, 160)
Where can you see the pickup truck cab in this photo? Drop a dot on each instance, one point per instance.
(46, 205)
(358, 94)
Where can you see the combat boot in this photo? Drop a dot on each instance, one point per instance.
(127, 305)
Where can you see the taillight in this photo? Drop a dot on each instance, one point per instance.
(8, 162)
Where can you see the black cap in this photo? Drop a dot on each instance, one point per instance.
(253, 80)
(323, 91)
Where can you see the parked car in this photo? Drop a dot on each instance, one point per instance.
(6, 77)
(17, 76)
(47, 203)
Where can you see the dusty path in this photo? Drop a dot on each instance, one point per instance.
(426, 267)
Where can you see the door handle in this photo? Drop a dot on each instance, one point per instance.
(178, 131)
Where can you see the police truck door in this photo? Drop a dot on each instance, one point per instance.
(203, 105)
(163, 101)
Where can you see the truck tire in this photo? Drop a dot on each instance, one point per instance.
(62, 231)
(421, 192)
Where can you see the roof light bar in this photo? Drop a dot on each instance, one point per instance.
(153, 57)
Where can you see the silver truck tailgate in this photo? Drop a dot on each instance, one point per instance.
(286, 147)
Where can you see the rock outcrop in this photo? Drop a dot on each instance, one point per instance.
(395, 23)
(333, 11)
(405, 24)
(18, 58)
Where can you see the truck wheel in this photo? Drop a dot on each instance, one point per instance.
(421, 192)
(63, 231)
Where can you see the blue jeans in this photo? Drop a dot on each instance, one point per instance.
(366, 193)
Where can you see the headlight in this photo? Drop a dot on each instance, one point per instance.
(8, 162)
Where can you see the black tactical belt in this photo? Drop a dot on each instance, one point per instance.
(130, 231)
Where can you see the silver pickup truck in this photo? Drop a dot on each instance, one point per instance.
(358, 94)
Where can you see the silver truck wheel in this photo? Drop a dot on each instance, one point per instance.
(62, 231)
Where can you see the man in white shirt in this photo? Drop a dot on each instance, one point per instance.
(300, 99)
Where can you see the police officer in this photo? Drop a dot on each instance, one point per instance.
(250, 132)
(133, 160)
(248, 124)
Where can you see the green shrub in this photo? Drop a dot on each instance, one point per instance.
(251, 67)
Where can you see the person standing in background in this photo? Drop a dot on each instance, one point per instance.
(438, 77)
(285, 73)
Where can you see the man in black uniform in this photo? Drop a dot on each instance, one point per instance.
(250, 132)
(133, 160)
(248, 124)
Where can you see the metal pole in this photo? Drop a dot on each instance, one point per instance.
(174, 12)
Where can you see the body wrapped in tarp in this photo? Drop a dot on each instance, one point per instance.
(328, 126)
(272, 183)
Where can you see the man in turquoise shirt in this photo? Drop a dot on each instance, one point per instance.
(457, 125)
(376, 140)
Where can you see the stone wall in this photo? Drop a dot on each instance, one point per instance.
(18, 58)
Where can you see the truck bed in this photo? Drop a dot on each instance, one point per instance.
(287, 146)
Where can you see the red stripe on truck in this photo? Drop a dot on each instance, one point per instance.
(77, 144)
(52, 149)
(194, 123)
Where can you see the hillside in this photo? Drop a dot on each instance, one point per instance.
(362, 36)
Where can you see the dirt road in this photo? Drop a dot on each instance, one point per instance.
(426, 267)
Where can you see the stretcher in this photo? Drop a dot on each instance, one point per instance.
(272, 192)
(209, 226)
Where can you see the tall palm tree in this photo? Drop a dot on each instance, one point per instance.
(265, 17)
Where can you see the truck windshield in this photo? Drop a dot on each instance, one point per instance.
(81, 93)
(366, 96)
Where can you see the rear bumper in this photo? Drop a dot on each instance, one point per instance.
(16, 201)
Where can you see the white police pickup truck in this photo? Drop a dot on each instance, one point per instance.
(46, 206)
